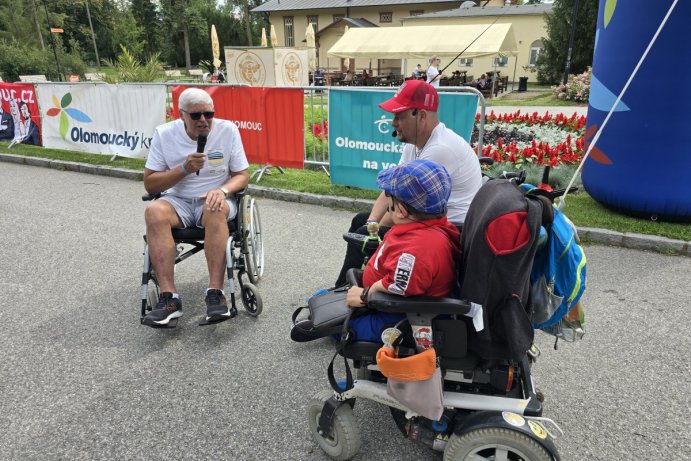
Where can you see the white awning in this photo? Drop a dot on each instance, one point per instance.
(425, 41)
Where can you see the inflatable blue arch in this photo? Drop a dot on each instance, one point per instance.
(641, 164)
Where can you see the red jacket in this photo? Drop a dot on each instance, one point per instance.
(416, 259)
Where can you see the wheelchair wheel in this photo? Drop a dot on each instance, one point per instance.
(344, 440)
(251, 299)
(494, 443)
(152, 292)
(252, 243)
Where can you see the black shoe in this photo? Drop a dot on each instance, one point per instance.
(166, 309)
(216, 306)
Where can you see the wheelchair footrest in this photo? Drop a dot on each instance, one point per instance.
(171, 324)
(205, 322)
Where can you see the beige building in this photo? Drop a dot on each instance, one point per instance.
(331, 17)
(528, 27)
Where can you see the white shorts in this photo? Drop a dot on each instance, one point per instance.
(191, 210)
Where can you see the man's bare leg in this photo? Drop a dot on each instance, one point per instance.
(215, 238)
(161, 218)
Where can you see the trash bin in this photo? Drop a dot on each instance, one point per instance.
(523, 84)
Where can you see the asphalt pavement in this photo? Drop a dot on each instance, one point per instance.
(81, 379)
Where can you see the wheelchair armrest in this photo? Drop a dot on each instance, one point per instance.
(149, 197)
(385, 302)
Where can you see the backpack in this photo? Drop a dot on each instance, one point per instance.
(558, 280)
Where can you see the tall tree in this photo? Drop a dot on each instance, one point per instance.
(146, 15)
(551, 63)
(184, 18)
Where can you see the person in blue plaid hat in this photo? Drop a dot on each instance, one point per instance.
(418, 255)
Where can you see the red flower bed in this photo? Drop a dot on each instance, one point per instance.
(568, 152)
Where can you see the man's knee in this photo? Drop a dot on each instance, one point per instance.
(160, 213)
(358, 221)
(218, 218)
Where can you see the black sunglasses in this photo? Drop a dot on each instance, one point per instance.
(197, 115)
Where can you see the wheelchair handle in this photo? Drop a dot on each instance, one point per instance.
(362, 241)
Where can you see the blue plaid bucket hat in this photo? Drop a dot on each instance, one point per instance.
(424, 185)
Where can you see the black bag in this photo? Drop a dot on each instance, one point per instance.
(327, 312)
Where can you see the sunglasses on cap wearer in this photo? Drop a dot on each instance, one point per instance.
(198, 115)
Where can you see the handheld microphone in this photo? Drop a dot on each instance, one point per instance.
(201, 144)
(394, 133)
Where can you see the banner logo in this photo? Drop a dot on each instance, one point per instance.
(383, 124)
(61, 108)
(249, 69)
(292, 69)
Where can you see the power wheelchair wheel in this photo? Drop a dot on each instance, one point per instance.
(494, 443)
(251, 299)
(344, 440)
(252, 243)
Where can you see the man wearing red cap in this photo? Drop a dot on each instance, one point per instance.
(417, 124)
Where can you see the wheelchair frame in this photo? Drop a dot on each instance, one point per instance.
(244, 254)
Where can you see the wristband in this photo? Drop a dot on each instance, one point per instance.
(184, 170)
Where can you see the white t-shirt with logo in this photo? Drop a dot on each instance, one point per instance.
(432, 72)
(171, 145)
(455, 154)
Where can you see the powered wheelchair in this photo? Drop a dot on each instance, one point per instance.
(490, 408)
(244, 255)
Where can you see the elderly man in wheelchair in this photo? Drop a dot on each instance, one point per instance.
(195, 168)
(456, 373)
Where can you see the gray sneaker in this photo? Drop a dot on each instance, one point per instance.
(216, 306)
(166, 309)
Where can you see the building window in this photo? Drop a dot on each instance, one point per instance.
(465, 62)
(338, 17)
(386, 17)
(416, 12)
(501, 61)
(288, 30)
(535, 50)
(314, 20)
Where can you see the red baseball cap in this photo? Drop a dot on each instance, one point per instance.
(413, 94)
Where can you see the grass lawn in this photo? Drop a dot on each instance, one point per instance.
(531, 99)
(581, 208)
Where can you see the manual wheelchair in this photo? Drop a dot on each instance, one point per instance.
(491, 407)
(244, 254)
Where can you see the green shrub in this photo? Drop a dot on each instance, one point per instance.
(16, 60)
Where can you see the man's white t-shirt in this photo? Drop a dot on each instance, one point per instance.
(455, 154)
(432, 72)
(171, 145)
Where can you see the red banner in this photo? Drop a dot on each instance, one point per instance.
(20, 120)
(271, 121)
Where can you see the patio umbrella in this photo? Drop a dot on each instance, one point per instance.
(311, 47)
(215, 47)
(274, 39)
(346, 61)
(264, 42)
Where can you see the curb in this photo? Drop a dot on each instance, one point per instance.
(587, 234)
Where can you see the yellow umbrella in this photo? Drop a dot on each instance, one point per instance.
(311, 46)
(274, 39)
(215, 47)
(264, 43)
(346, 61)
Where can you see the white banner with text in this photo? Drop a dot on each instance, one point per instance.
(101, 118)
